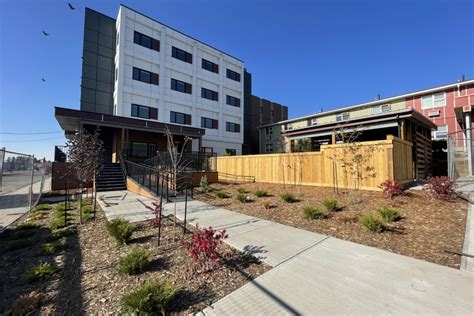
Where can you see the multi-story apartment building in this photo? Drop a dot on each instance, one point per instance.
(141, 77)
(261, 112)
(418, 117)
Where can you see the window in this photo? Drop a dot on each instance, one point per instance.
(140, 111)
(342, 116)
(208, 123)
(181, 86)
(440, 133)
(268, 130)
(233, 75)
(180, 118)
(232, 127)
(289, 126)
(145, 76)
(269, 148)
(142, 150)
(230, 152)
(209, 94)
(433, 100)
(146, 41)
(230, 100)
(314, 121)
(209, 65)
(182, 55)
(207, 150)
(381, 109)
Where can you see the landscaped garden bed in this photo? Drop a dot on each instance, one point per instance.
(414, 224)
(75, 270)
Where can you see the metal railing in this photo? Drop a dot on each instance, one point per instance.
(460, 146)
(190, 161)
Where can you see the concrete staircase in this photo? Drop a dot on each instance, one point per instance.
(111, 178)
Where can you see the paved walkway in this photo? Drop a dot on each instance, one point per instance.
(14, 203)
(317, 274)
(125, 204)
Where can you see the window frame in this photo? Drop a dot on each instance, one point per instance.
(150, 150)
(232, 127)
(181, 54)
(233, 75)
(269, 147)
(433, 100)
(344, 116)
(139, 39)
(213, 66)
(175, 115)
(232, 101)
(138, 107)
(138, 73)
(175, 83)
(209, 94)
(231, 151)
(440, 134)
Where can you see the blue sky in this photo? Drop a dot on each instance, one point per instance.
(307, 55)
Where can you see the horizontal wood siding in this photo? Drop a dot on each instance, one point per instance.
(390, 159)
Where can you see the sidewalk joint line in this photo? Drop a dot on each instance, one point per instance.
(301, 251)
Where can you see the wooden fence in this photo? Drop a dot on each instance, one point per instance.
(364, 165)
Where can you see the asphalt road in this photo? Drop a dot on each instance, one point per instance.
(12, 181)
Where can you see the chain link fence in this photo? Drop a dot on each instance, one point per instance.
(460, 146)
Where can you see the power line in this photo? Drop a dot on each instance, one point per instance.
(28, 140)
(32, 133)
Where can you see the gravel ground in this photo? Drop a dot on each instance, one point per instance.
(427, 228)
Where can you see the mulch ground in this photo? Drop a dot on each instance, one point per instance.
(427, 228)
(88, 282)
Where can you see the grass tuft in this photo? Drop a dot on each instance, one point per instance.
(389, 214)
(289, 198)
(28, 225)
(221, 194)
(311, 212)
(121, 230)
(40, 272)
(152, 298)
(50, 248)
(137, 261)
(371, 223)
(261, 193)
(241, 190)
(330, 205)
(242, 198)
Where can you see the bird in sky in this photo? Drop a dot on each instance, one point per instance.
(70, 6)
(42, 79)
(45, 34)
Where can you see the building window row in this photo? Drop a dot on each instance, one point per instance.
(342, 116)
(209, 123)
(146, 41)
(181, 86)
(232, 127)
(180, 118)
(142, 150)
(182, 55)
(233, 101)
(145, 76)
(209, 65)
(233, 75)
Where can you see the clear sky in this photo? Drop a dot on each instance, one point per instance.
(307, 55)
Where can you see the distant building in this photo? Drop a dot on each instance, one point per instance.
(262, 112)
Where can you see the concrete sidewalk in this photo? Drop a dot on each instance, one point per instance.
(125, 204)
(14, 204)
(317, 274)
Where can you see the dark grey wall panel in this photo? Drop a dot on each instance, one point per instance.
(98, 63)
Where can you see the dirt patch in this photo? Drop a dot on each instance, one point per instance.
(427, 228)
(88, 282)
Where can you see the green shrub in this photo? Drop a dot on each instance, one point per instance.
(289, 198)
(242, 198)
(152, 298)
(311, 212)
(330, 205)
(42, 207)
(86, 201)
(204, 184)
(87, 216)
(28, 225)
(261, 193)
(50, 248)
(389, 214)
(58, 222)
(87, 209)
(40, 272)
(137, 261)
(121, 230)
(221, 194)
(372, 223)
(60, 234)
(60, 207)
(241, 190)
(19, 244)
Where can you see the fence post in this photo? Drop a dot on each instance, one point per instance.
(31, 186)
(167, 188)
(158, 183)
(161, 211)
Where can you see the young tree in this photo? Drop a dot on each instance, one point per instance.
(176, 163)
(86, 152)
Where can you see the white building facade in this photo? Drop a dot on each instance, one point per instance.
(164, 75)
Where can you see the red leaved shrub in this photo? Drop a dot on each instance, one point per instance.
(202, 247)
(441, 187)
(391, 188)
(156, 209)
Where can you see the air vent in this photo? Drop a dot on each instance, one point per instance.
(433, 113)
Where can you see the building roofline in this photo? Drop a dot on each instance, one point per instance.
(101, 13)
(155, 20)
(381, 101)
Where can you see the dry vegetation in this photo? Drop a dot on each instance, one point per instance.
(427, 227)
